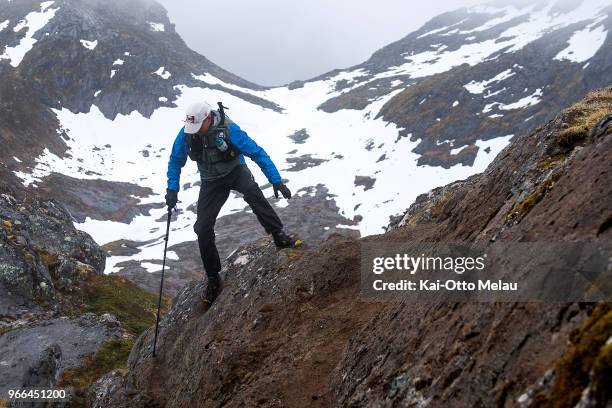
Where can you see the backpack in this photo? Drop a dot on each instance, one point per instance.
(197, 143)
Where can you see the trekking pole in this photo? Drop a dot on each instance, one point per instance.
(161, 285)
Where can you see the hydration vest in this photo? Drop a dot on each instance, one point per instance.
(203, 149)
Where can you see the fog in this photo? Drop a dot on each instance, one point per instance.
(273, 42)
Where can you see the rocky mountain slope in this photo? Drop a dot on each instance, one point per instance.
(289, 328)
(484, 72)
(61, 319)
(107, 82)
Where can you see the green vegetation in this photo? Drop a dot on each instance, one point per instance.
(583, 116)
(5, 330)
(523, 208)
(437, 209)
(112, 355)
(550, 162)
(588, 360)
(7, 226)
(134, 307)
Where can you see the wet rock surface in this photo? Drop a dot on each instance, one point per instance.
(289, 328)
(34, 355)
(96, 199)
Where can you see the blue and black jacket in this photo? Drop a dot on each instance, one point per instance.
(241, 142)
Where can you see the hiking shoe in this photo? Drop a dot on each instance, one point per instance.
(213, 288)
(282, 240)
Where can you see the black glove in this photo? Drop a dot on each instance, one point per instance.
(283, 189)
(171, 198)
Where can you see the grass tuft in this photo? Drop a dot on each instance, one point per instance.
(134, 307)
(588, 361)
(524, 207)
(583, 116)
(112, 354)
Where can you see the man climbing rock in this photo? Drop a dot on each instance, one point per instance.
(218, 146)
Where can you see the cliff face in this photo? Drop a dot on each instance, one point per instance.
(289, 328)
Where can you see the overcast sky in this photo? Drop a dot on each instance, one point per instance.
(273, 42)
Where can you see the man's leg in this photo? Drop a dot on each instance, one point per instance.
(212, 197)
(244, 183)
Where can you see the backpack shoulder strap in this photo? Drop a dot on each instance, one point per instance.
(222, 113)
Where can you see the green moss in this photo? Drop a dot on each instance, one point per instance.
(134, 307)
(524, 207)
(550, 162)
(414, 218)
(4, 330)
(438, 207)
(112, 355)
(8, 227)
(48, 259)
(588, 359)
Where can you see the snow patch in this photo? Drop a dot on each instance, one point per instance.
(163, 99)
(90, 45)
(456, 151)
(156, 26)
(525, 102)
(583, 44)
(151, 267)
(4, 24)
(34, 21)
(442, 29)
(479, 87)
(163, 73)
(118, 62)
(536, 24)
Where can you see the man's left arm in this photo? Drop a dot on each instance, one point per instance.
(248, 147)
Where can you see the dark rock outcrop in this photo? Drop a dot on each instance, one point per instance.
(35, 355)
(57, 308)
(41, 249)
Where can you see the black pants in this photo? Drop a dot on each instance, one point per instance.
(213, 194)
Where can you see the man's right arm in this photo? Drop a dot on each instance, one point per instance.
(178, 158)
